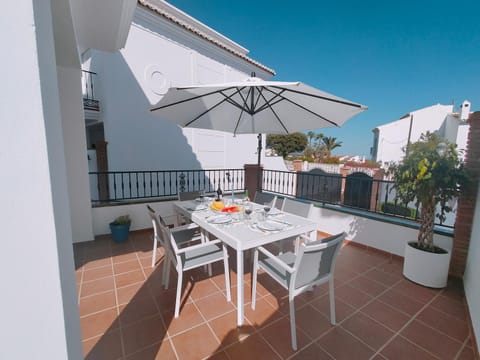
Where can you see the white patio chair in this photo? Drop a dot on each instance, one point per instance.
(187, 235)
(189, 256)
(299, 208)
(183, 196)
(314, 264)
(262, 198)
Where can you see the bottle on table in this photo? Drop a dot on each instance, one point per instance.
(219, 193)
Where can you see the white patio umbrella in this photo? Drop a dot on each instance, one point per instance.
(255, 106)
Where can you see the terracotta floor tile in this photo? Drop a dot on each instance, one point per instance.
(368, 330)
(402, 349)
(137, 329)
(135, 291)
(386, 315)
(431, 340)
(97, 286)
(279, 337)
(312, 322)
(129, 278)
(142, 334)
(104, 347)
(401, 302)
(384, 277)
(127, 266)
(342, 309)
(253, 344)
(450, 306)
(311, 352)
(96, 263)
(466, 353)
(263, 314)
(352, 296)
(214, 305)
(226, 330)
(97, 273)
(369, 286)
(203, 288)
(444, 323)
(137, 310)
(97, 303)
(159, 351)
(341, 345)
(189, 317)
(99, 323)
(415, 291)
(196, 343)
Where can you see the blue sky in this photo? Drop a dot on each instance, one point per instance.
(394, 57)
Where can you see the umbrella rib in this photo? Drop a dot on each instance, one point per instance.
(274, 113)
(270, 102)
(320, 97)
(220, 91)
(304, 108)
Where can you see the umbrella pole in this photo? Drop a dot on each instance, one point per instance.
(259, 152)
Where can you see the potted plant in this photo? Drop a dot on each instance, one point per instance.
(120, 228)
(431, 174)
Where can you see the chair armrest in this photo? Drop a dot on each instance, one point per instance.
(276, 259)
(185, 227)
(197, 246)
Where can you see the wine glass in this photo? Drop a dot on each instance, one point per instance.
(202, 196)
(247, 209)
(266, 208)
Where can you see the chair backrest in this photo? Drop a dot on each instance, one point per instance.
(161, 230)
(297, 207)
(188, 195)
(316, 260)
(262, 198)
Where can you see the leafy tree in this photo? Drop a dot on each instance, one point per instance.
(330, 144)
(430, 174)
(285, 144)
(310, 136)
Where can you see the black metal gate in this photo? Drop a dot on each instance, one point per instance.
(358, 190)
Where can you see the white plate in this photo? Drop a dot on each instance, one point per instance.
(274, 211)
(270, 226)
(219, 219)
(196, 207)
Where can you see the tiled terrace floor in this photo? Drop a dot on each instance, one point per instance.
(126, 314)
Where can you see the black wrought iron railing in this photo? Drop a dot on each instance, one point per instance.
(121, 186)
(356, 191)
(89, 100)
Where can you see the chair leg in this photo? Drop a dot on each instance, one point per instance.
(332, 301)
(254, 279)
(166, 272)
(293, 330)
(179, 292)
(227, 274)
(154, 254)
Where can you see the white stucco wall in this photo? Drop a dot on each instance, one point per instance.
(156, 56)
(69, 82)
(39, 302)
(471, 278)
(394, 136)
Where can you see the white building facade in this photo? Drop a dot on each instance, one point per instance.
(390, 140)
(166, 47)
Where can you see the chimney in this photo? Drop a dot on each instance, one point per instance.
(465, 110)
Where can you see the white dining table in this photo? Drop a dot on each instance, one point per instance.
(243, 235)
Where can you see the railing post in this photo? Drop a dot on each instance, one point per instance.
(376, 186)
(102, 167)
(253, 178)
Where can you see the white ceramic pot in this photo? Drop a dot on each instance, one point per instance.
(426, 268)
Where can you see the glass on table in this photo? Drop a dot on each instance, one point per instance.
(247, 210)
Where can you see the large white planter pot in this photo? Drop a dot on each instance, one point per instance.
(426, 268)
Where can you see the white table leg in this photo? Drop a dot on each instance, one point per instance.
(240, 295)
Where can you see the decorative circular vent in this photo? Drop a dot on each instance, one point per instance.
(156, 80)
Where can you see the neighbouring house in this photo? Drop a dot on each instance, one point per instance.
(390, 140)
(165, 47)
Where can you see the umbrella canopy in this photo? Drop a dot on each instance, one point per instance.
(255, 106)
